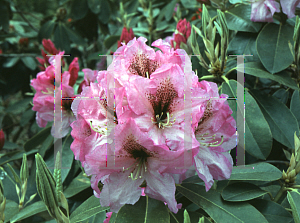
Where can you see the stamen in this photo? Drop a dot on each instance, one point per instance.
(101, 131)
(147, 74)
(216, 145)
(139, 169)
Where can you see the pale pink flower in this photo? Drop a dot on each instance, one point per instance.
(141, 161)
(216, 133)
(289, 7)
(263, 10)
(89, 77)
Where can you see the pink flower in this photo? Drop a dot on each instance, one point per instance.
(289, 7)
(125, 36)
(89, 77)
(43, 100)
(263, 10)
(141, 160)
(216, 133)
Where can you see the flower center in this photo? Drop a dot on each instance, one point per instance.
(205, 137)
(102, 129)
(142, 66)
(162, 123)
(139, 170)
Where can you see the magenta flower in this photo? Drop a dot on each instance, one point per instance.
(263, 10)
(141, 160)
(126, 36)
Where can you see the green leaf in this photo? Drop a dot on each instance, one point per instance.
(77, 185)
(294, 200)
(19, 106)
(87, 209)
(4, 16)
(190, 4)
(79, 9)
(26, 117)
(104, 14)
(10, 62)
(258, 137)
(29, 62)
(281, 120)
(94, 5)
(16, 176)
(241, 192)
(38, 139)
(219, 210)
(145, 210)
(10, 145)
(169, 10)
(45, 145)
(110, 41)
(272, 47)
(46, 30)
(272, 211)
(295, 105)
(244, 44)
(256, 69)
(282, 95)
(30, 210)
(17, 156)
(194, 216)
(61, 38)
(258, 171)
(238, 18)
(11, 209)
(74, 36)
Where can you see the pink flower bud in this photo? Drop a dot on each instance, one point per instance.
(125, 36)
(49, 46)
(2, 139)
(73, 70)
(184, 32)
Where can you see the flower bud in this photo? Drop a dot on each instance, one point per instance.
(284, 175)
(125, 36)
(297, 168)
(73, 70)
(49, 46)
(2, 139)
(183, 32)
(292, 174)
(292, 162)
(297, 148)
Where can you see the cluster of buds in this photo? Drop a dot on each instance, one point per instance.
(182, 33)
(2, 203)
(49, 188)
(23, 42)
(217, 55)
(290, 175)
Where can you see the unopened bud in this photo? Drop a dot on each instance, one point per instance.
(292, 162)
(284, 175)
(2, 139)
(297, 168)
(292, 174)
(297, 147)
(293, 179)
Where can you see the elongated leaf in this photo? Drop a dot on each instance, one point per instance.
(241, 192)
(194, 216)
(94, 5)
(11, 209)
(37, 139)
(281, 120)
(46, 30)
(61, 38)
(87, 209)
(219, 210)
(258, 137)
(294, 200)
(272, 211)
(104, 14)
(30, 210)
(169, 10)
(238, 18)
(79, 9)
(67, 157)
(77, 185)
(259, 172)
(10, 62)
(256, 69)
(186, 217)
(272, 47)
(145, 210)
(29, 62)
(295, 105)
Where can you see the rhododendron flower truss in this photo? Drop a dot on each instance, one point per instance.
(139, 159)
(263, 10)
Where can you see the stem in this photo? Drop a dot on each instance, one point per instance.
(26, 20)
(272, 198)
(279, 194)
(225, 79)
(228, 72)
